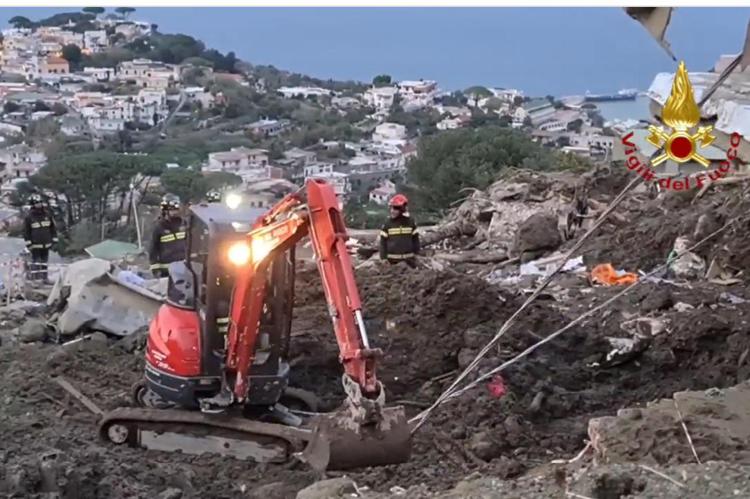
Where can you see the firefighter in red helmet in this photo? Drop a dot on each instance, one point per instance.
(399, 239)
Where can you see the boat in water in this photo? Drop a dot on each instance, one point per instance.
(628, 94)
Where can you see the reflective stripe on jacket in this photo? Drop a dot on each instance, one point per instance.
(399, 238)
(168, 242)
(39, 230)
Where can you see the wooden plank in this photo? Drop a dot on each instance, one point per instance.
(83, 399)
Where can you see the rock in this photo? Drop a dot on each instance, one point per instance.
(458, 433)
(465, 356)
(513, 425)
(17, 311)
(133, 342)
(273, 490)
(483, 446)
(328, 489)
(58, 358)
(507, 468)
(98, 340)
(538, 232)
(706, 224)
(170, 493)
(689, 265)
(32, 330)
(475, 338)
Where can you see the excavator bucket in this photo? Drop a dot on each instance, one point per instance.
(362, 433)
(339, 443)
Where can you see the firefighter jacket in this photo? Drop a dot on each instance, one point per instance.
(168, 242)
(39, 230)
(399, 239)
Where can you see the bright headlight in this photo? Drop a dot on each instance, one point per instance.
(239, 253)
(233, 200)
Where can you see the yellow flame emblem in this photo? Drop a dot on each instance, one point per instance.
(681, 113)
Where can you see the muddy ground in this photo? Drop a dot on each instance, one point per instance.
(429, 325)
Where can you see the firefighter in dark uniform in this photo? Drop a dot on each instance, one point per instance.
(168, 242)
(399, 239)
(40, 234)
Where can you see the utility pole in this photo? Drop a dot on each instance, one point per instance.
(135, 217)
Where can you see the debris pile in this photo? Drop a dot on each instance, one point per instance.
(681, 336)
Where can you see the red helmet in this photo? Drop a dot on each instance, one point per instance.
(398, 201)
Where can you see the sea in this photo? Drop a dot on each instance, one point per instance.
(623, 110)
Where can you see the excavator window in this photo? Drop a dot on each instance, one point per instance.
(181, 286)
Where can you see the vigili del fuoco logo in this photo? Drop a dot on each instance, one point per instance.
(683, 144)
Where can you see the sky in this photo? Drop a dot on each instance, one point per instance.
(555, 51)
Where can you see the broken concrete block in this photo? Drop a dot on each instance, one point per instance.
(483, 446)
(32, 330)
(99, 302)
(538, 232)
(328, 489)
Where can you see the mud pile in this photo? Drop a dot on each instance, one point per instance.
(429, 325)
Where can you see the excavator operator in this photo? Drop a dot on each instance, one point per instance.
(399, 239)
(168, 239)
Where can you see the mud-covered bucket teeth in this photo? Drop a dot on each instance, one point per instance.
(339, 443)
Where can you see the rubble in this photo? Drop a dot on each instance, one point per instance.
(717, 420)
(90, 296)
(332, 488)
(670, 335)
(33, 330)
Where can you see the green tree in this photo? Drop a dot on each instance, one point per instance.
(125, 11)
(477, 92)
(381, 80)
(94, 10)
(72, 54)
(59, 108)
(19, 22)
(451, 161)
(11, 107)
(84, 184)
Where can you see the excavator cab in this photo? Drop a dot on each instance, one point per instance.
(201, 287)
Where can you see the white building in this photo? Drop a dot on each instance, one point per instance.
(199, 95)
(149, 74)
(452, 123)
(317, 169)
(389, 132)
(506, 94)
(339, 181)
(305, 92)
(100, 74)
(20, 161)
(381, 98)
(381, 194)
(237, 160)
(417, 94)
(95, 41)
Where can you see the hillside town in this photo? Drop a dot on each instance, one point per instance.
(142, 96)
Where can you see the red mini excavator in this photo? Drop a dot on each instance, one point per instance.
(216, 377)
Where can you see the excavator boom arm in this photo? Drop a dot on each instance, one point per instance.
(282, 227)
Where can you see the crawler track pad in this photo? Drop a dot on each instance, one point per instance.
(197, 433)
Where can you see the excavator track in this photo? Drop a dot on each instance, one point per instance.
(193, 432)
